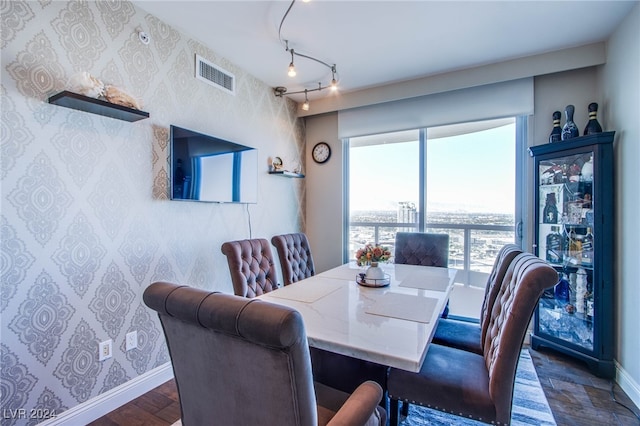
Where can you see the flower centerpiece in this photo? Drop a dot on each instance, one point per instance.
(370, 254)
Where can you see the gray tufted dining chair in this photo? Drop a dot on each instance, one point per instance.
(467, 335)
(295, 256)
(252, 267)
(421, 248)
(239, 361)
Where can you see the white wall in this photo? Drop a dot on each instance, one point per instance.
(324, 194)
(621, 94)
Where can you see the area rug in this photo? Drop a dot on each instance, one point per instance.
(530, 406)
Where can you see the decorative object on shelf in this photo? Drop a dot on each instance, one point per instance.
(569, 130)
(321, 152)
(592, 125)
(120, 97)
(276, 163)
(87, 85)
(556, 132)
(88, 93)
(587, 170)
(276, 167)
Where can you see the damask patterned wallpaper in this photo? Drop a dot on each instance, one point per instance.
(86, 223)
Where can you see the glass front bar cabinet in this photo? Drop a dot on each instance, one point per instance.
(574, 196)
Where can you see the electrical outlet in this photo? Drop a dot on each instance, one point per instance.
(105, 350)
(132, 340)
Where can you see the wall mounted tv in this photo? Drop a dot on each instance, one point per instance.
(210, 169)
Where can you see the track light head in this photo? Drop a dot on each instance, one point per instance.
(305, 105)
(292, 68)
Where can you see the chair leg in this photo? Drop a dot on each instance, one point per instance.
(405, 408)
(393, 415)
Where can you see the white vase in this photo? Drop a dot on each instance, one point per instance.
(374, 272)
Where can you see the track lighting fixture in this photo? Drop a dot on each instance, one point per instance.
(292, 68)
(281, 91)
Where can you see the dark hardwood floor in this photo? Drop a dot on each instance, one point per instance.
(576, 397)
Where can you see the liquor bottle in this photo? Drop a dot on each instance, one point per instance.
(569, 130)
(581, 290)
(554, 246)
(592, 125)
(573, 286)
(588, 308)
(561, 290)
(556, 132)
(575, 246)
(550, 212)
(587, 248)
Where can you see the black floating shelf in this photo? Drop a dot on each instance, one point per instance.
(97, 106)
(287, 174)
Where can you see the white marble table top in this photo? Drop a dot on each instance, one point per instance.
(390, 325)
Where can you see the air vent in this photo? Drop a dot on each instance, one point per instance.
(215, 76)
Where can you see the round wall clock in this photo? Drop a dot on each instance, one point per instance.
(321, 152)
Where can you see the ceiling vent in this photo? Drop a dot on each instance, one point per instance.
(215, 76)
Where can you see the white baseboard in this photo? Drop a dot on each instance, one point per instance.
(97, 407)
(628, 385)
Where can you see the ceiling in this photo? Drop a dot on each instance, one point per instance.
(374, 43)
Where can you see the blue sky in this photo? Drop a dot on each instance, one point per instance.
(474, 172)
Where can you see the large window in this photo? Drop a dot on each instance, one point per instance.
(457, 179)
(384, 187)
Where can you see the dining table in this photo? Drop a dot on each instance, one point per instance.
(390, 325)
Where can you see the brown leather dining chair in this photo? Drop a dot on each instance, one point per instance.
(295, 256)
(252, 267)
(239, 361)
(467, 335)
(477, 386)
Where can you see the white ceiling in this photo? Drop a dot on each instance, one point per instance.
(380, 42)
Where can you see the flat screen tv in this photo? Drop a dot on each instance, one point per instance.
(210, 169)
